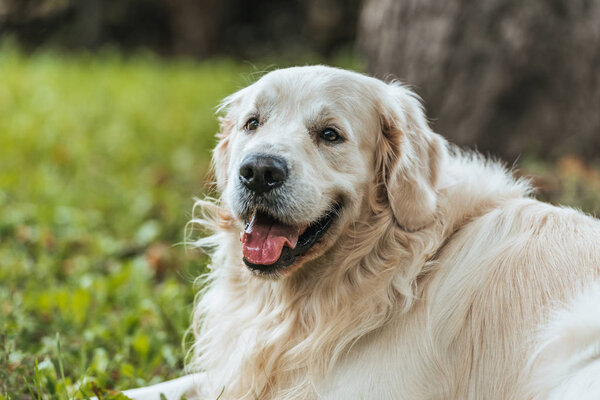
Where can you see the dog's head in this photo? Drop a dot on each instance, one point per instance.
(305, 151)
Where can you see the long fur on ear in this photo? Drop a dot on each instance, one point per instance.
(220, 159)
(409, 158)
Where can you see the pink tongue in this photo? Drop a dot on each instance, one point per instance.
(264, 238)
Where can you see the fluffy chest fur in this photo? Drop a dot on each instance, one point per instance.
(397, 310)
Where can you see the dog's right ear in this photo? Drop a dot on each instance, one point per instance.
(220, 159)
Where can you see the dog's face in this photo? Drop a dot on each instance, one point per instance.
(299, 151)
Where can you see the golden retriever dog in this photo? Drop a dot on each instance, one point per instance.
(356, 254)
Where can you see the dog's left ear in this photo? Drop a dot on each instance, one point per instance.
(409, 158)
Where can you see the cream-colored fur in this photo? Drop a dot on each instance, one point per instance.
(433, 283)
(566, 363)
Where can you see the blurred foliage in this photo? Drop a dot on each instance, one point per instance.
(100, 157)
(572, 181)
(199, 28)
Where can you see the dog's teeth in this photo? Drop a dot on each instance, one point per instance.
(250, 223)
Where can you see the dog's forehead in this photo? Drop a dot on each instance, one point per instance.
(312, 90)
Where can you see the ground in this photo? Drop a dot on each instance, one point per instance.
(101, 156)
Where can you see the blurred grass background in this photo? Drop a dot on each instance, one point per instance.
(100, 158)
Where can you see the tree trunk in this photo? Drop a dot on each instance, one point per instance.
(507, 77)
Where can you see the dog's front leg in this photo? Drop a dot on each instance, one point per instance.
(173, 390)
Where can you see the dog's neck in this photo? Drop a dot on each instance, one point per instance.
(378, 254)
(284, 332)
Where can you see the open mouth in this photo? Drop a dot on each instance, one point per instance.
(268, 245)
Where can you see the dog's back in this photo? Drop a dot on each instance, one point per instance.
(498, 282)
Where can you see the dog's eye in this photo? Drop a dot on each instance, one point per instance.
(330, 135)
(251, 124)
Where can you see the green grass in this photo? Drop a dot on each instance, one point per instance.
(100, 158)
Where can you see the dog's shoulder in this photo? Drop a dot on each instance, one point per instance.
(522, 240)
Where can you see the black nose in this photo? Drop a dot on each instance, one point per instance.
(261, 173)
